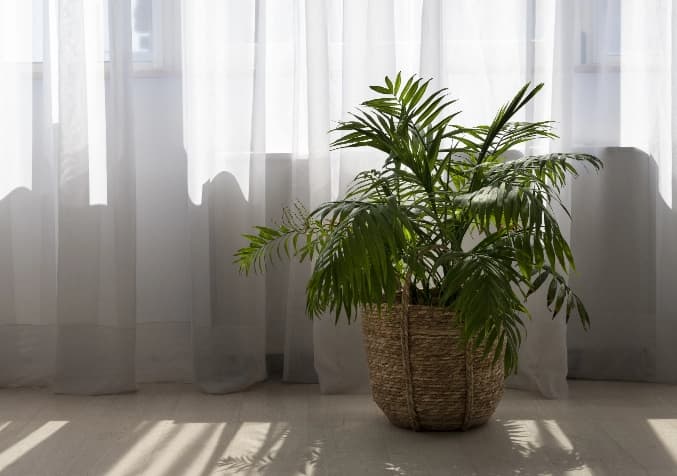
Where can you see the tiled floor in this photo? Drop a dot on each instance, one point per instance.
(602, 429)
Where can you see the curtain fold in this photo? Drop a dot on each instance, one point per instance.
(124, 194)
(224, 125)
(96, 269)
(632, 276)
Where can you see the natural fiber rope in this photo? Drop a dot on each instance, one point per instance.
(406, 360)
(469, 384)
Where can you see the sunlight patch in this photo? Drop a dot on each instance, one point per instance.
(23, 446)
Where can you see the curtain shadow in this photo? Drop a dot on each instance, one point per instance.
(665, 226)
(237, 320)
(615, 243)
(27, 288)
(228, 310)
(623, 237)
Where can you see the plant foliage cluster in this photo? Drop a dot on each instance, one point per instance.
(447, 219)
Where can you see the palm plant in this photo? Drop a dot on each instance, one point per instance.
(446, 221)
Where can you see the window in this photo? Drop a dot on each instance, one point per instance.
(142, 29)
(598, 26)
(150, 20)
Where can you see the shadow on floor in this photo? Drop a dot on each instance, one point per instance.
(606, 428)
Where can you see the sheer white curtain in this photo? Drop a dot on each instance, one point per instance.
(123, 193)
(628, 275)
(224, 48)
(68, 242)
(27, 265)
(648, 122)
(96, 266)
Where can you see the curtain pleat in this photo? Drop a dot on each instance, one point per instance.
(96, 277)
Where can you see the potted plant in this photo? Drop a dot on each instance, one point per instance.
(439, 249)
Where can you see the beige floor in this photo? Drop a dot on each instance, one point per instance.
(603, 429)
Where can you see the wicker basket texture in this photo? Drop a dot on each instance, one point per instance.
(422, 376)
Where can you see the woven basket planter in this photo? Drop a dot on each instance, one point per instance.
(421, 375)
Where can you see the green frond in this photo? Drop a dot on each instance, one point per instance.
(406, 224)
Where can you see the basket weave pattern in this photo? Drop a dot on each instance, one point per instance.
(422, 376)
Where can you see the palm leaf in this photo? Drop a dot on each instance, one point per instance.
(405, 225)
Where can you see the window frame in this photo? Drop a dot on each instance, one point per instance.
(166, 52)
(589, 58)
